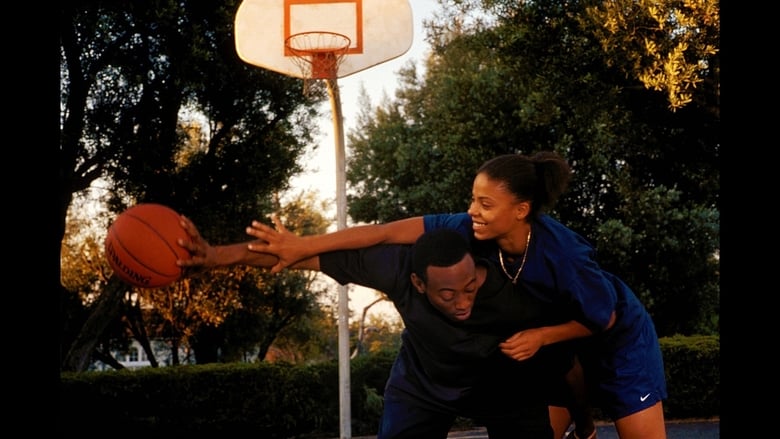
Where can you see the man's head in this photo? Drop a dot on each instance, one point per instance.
(444, 270)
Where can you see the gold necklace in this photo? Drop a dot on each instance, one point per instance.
(522, 263)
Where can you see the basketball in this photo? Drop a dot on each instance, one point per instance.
(141, 245)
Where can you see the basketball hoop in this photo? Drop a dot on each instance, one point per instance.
(318, 54)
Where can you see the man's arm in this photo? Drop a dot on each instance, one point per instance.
(291, 248)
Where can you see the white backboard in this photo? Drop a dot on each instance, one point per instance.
(378, 31)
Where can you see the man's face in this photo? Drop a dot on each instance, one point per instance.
(452, 290)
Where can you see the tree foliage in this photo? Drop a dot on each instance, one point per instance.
(85, 275)
(266, 306)
(156, 106)
(508, 76)
(224, 315)
(670, 46)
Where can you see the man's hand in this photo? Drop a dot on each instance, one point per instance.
(202, 254)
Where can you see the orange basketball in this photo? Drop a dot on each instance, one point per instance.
(142, 247)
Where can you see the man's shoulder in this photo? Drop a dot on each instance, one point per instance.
(377, 266)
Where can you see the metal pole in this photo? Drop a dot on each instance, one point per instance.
(341, 223)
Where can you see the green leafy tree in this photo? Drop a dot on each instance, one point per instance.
(375, 333)
(311, 338)
(240, 312)
(507, 77)
(237, 313)
(157, 106)
(85, 274)
(670, 46)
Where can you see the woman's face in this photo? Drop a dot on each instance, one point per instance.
(494, 211)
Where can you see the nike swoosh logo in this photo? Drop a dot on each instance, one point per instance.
(643, 398)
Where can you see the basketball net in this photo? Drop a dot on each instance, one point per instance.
(318, 54)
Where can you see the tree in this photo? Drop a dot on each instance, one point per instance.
(132, 73)
(286, 304)
(670, 46)
(240, 312)
(85, 275)
(375, 334)
(507, 77)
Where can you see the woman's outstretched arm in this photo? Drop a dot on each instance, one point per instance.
(290, 248)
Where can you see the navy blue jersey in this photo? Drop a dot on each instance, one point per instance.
(561, 269)
(456, 366)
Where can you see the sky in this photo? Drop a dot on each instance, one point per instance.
(320, 164)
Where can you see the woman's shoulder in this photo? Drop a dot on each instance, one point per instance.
(554, 228)
(458, 221)
(555, 238)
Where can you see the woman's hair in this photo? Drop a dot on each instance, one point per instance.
(540, 179)
(438, 248)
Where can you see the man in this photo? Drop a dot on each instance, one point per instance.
(456, 311)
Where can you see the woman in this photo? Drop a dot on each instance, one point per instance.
(506, 220)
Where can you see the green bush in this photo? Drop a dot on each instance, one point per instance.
(692, 376)
(280, 400)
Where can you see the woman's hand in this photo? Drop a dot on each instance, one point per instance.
(287, 246)
(523, 345)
